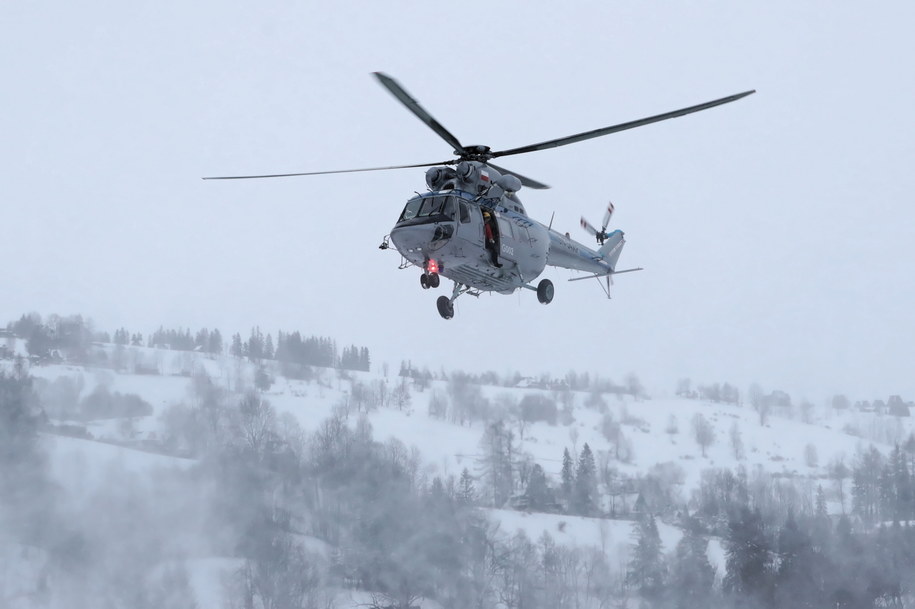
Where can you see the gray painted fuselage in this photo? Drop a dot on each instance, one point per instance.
(454, 240)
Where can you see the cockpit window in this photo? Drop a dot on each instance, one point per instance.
(448, 207)
(429, 206)
(409, 212)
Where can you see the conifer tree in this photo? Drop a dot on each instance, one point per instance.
(202, 340)
(692, 575)
(584, 498)
(568, 476)
(256, 344)
(799, 573)
(538, 493)
(748, 562)
(121, 337)
(215, 344)
(237, 348)
(269, 352)
(646, 567)
(467, 494)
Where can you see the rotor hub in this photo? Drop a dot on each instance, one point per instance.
(475, 153)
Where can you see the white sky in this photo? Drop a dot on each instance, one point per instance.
(776, 232)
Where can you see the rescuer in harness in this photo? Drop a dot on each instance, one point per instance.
(489, 236)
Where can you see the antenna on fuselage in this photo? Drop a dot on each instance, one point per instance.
(550, 227)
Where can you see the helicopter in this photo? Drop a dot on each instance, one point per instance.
(471, 227)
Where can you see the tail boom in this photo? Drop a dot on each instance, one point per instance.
(567, 253)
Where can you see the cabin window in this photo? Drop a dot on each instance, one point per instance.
(505, 229)
(465, 213)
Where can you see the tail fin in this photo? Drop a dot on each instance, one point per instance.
(612, 247)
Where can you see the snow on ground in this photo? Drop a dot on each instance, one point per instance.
(81, 467)
(614, 538)
(608, 536)
(717, 556)
(208, 579)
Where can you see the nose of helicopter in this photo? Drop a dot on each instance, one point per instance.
(420, 238)
(411, 238)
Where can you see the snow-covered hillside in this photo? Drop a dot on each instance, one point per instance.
(657, 431)
(633, 436)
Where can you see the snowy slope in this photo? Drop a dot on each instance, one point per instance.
(83, 468)
(779, 446)
(612, 537)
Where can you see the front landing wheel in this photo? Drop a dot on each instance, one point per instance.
(545, 291)
(445, 307)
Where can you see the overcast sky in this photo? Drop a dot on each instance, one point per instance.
(776, 232)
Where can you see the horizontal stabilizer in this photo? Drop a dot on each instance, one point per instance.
(627, 271)
(606, 274)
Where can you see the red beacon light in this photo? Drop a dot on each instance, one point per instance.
(432, 266)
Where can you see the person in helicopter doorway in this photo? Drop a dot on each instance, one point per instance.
(489, 236)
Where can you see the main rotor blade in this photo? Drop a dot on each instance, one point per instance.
(318, 173)
(530, 183)
(587, 135)
(413, 106)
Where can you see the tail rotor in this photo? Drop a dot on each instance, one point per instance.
(601, 235)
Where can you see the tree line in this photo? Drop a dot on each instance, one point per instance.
(71, 337)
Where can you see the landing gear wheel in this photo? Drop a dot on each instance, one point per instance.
(445, 307)
(434, 280)
(424, 281)
(545, 291)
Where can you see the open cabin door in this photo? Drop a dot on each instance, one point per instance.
(506, 240)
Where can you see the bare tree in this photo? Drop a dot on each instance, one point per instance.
(257, 422)
(380, 393)
(278, 574)
(760, 403)
(703, 432)
(737, 442)
(613, 432)
(438, 405)
(400, 396)
(838, 471)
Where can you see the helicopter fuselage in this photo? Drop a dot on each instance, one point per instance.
(442, 231)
